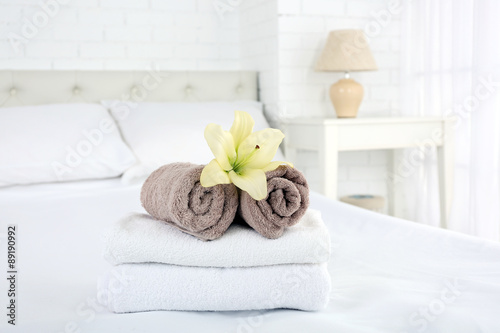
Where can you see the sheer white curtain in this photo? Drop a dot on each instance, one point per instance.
(451, 66)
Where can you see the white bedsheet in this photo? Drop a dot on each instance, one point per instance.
(388, 275)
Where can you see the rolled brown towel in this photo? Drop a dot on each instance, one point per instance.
(286, 202)
(173, 194)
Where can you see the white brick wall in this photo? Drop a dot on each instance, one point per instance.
(281, 39)
(303, 26)
(122, 34)
(302, 31)
(259, 48)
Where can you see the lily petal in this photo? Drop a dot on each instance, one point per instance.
(259, 148)
(221, 144)
(273, 165)
(252, 181)
(213, 174)
(242, 127)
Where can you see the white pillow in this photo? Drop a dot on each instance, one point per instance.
(60, 142)
(161, 133)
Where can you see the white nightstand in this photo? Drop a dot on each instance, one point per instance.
(328, 136)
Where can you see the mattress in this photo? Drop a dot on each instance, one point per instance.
(388, 275)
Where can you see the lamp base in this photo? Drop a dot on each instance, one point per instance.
(346, 96)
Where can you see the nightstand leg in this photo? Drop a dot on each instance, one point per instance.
(391, 186)
(395, 190)
(329, 161)
(446, 159)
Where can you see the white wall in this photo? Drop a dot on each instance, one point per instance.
(284, 48)
(303, 26)
(120, 34)
(282, 39)
(259, 48)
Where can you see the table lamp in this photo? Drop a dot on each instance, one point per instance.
(346, 51)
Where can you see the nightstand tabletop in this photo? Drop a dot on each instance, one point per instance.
(329, 136)
(361, 120)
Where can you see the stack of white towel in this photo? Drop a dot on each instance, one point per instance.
(161, 268)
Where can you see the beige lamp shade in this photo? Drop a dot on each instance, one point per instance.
(346, 51)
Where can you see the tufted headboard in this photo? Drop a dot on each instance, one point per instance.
(43, 87)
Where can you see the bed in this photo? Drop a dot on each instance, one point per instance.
(388, 275)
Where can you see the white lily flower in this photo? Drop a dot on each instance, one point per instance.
(241, 157)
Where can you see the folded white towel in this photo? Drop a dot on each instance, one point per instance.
(140, 238)
(148, 287)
